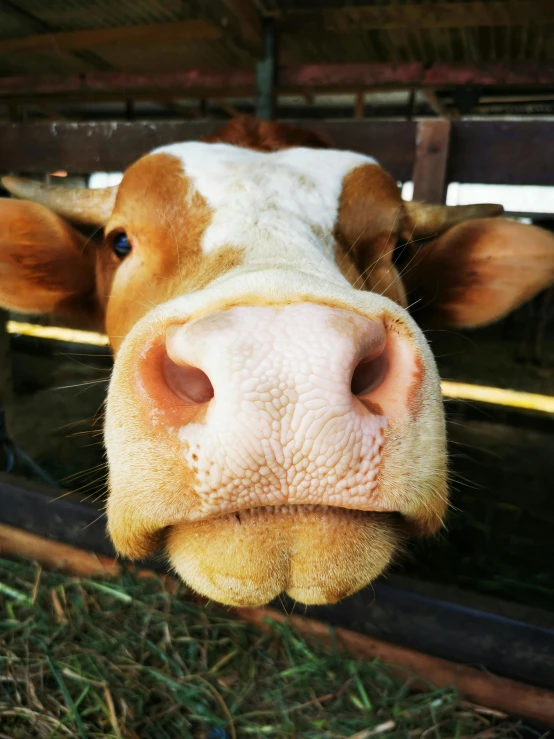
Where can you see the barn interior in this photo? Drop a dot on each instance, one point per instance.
(456, 98)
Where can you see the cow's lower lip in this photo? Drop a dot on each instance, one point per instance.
(315, 554)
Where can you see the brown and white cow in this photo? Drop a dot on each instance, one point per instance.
(274, 418)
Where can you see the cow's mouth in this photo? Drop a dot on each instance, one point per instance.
(316, 554)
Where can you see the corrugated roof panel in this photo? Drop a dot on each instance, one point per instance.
(159, 58)
(43, 63)
(306, 43)
(79, 15)
(11, 26)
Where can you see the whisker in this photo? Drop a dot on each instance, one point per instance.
(90, 238)
(372, 265)
(81, 384)
(383, 253)
(102, 515)
(90, 470)
(82, 364)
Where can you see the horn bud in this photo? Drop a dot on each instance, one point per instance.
(80, 205)
(425, 219)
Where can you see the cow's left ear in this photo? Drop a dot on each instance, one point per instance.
(478, 271)
(372, 216)
(46, 266)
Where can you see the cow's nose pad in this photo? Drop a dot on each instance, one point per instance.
(186, 382)
(370, 371)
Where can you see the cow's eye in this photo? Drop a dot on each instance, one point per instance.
(121, 245)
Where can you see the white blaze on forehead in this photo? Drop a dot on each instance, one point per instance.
(259, 199)
(283, 426)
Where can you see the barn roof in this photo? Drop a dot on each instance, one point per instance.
(77, 37)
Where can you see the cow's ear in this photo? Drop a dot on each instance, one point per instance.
(478, 271)
(369, 218)
(45, 264)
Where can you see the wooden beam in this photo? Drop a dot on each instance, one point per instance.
(437, 107)
(502, 152)
(311, 77)
(493, 74)
(406, 75)
(54, 513)
(509, 696)
(194, 80)
(54, 555)
(89, 147)
(478, 151)
(431, 161)
(185, 111)
(49, 113)
(160, 33)
(396, 16)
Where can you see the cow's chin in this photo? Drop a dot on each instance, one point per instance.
(317, 555)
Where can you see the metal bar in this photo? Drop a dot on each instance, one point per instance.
(266, 74)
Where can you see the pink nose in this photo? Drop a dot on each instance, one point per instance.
(284, 404)
(256, 348)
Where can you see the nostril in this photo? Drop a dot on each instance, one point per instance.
(187, 382)
(369, 374)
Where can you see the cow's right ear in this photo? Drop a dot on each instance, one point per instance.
(46, 266)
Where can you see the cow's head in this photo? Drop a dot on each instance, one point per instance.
(269, 422)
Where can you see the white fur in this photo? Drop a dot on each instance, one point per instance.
(280, 203)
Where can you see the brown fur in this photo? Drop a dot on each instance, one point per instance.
(330, 542)
(479, 271)
(45, 265)
(370, 216)
(267, 135)
(166, 238)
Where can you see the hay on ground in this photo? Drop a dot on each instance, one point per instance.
(127, 659)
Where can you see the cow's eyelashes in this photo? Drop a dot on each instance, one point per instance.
(121, 246)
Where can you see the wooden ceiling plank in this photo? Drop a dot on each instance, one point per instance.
(40, 27)
(160, 33)
(496, 13)
(248, 20)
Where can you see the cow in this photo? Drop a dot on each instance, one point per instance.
(274, 418)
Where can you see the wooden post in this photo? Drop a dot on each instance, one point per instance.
(431, 161)
(266, 74)
(129, 109)
(359, 106)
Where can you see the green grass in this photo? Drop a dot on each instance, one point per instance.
(125, 658)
